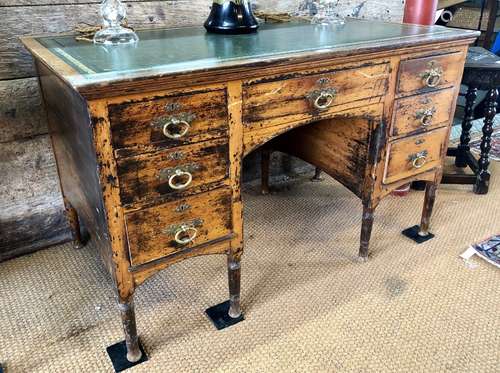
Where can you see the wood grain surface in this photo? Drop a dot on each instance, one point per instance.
(151, 231)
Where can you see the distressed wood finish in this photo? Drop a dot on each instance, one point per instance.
(151, 232)
(277, 100)
(413, 155)
(148, 176)
(422, 113)
(139, 125)
(112, 134)
(414, 72)
(347, 159)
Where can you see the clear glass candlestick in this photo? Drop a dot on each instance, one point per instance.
(114, 13)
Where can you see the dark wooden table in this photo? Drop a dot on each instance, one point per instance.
(482, 72)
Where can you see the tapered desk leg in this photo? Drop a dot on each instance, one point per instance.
(265, 158)
(483, 175)
(366, 231)
(229, 313)
(234, 280)
(127, 353)
(463, 148)
(420, 233)
(74, 224)
(127, 312)
(317, 175)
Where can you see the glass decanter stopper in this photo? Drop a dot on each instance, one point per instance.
(114, 13)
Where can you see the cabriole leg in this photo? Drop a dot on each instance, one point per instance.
(74, 224)
(463, 148)
(483, 175)
(366, 231)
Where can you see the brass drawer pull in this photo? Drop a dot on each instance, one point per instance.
(185, 234)
(176, 128)
(432, 76)
(323, 99)
(419, 160)
(174, 176)
(425, 116)
(179, 174)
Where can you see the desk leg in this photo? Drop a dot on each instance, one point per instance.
(234, 277)
(430, 198)
(127, 353)
(483, 175)
(228, 313)
(366, 231)
(74, 224)
(317, 175)
(265, 159)
(127, 312)
(463, 148)
(420, 233)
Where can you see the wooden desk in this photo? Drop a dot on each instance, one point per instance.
(149, 140)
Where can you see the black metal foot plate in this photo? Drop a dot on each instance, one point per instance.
(118, 355)
(219, 316)
(412, 233)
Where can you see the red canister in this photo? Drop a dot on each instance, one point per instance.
(420, 12)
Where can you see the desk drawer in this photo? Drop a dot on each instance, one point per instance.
(413, 155)
(172, 171)
(168, 121)
(430, 73)
(423, 112)
(288, 100)
(163, 230)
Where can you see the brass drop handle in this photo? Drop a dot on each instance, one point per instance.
(323, 99)
(176, 176)
(432, 76)
(426, 116)
(419, 160)
(185, 234)
(176, 128)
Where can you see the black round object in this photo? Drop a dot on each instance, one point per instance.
(231, 17)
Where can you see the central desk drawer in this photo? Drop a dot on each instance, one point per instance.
(172, 227)
(312, 96)
(169, 121)
(415, 154)
(422, 112)
(166, 172)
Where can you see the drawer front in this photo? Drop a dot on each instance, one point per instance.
(413, 155)
(172, 227)
(423, 112)
(168, 121)
(430, 72)
(315, 96)
(172, 171)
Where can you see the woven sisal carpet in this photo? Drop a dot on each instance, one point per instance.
(309, 305)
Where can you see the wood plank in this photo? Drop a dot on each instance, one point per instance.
(31, 213)
(22, 114)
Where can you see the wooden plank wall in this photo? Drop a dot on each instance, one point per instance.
(31, 212)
